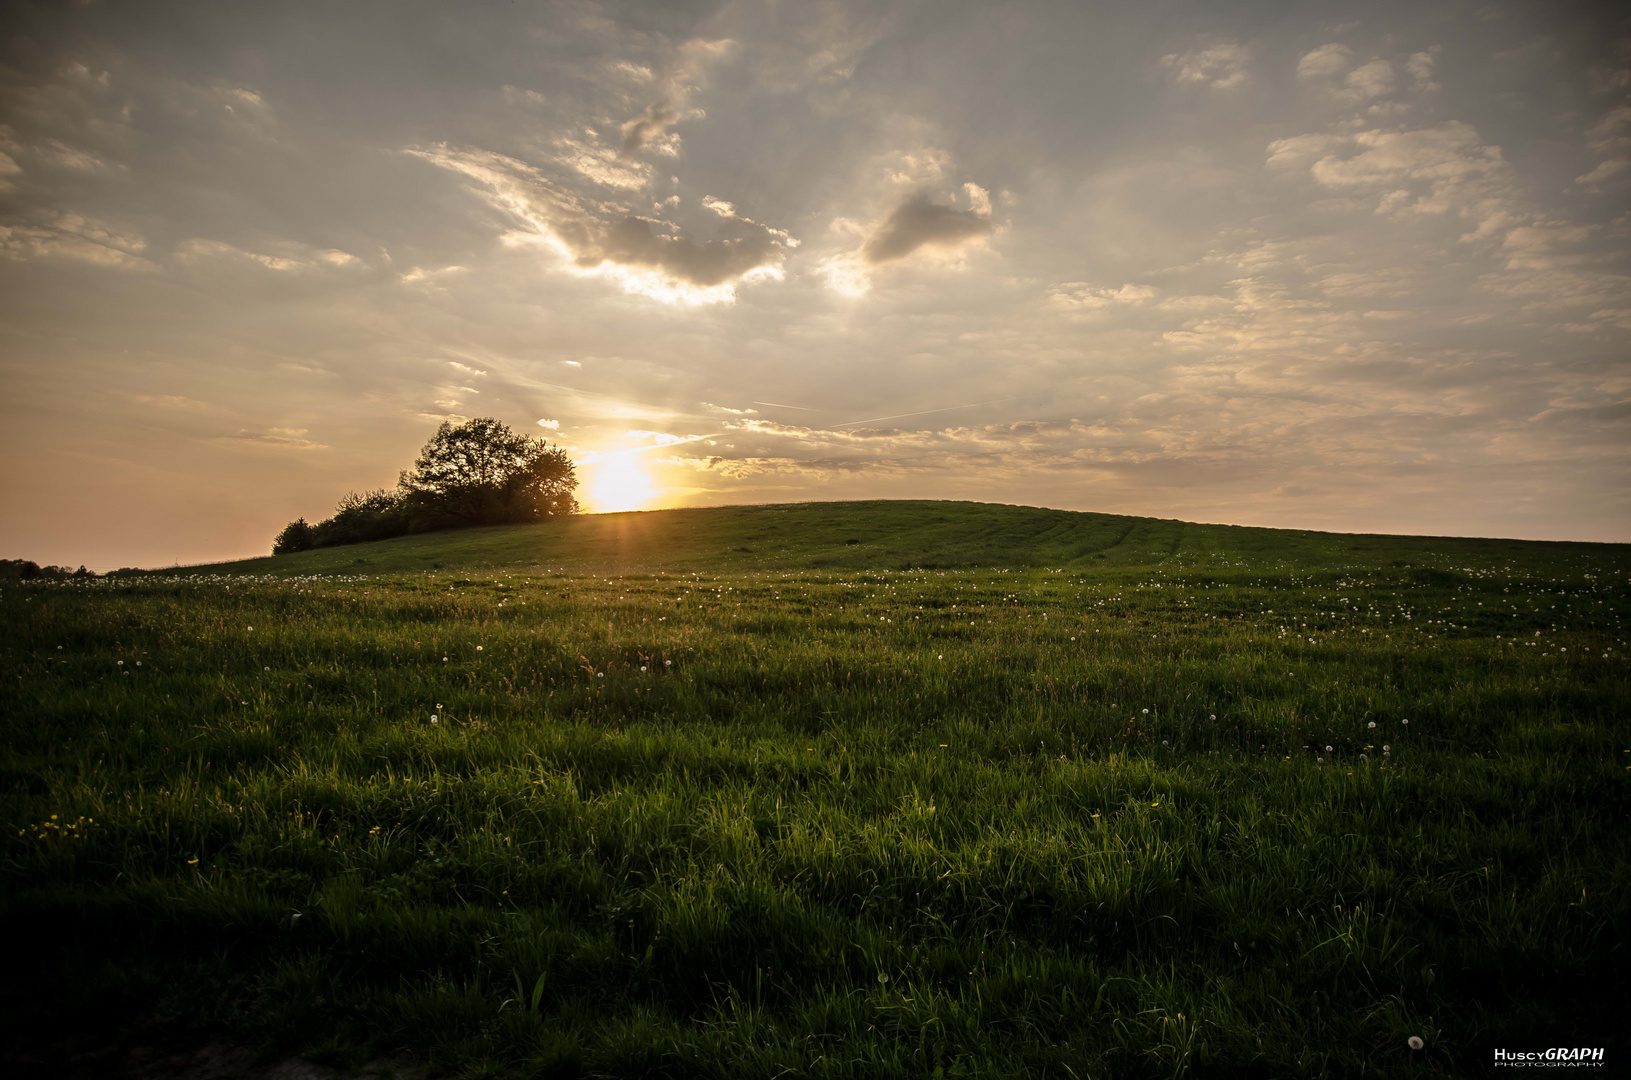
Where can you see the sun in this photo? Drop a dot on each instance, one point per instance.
(620, 483)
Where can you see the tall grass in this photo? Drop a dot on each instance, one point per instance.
(1108, 818)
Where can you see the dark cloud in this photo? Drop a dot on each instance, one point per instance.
(632, 242)
(917, 222)
(648, 125)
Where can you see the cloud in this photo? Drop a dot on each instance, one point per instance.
(1079, 300)
(277, 438)
(1325, 61)
(1367, 82)
(297, 261)
(552, 425)
(1602, 173)
(1433, 170)
(917, 223)
(632, 243)
(1420, 67)
(1222, 66)
(74, 236)
(649, 256)
(602, 164)
(648, 125)
(1610, 138)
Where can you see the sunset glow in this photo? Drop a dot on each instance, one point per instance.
(619, 482)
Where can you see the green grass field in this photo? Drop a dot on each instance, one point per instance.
(835, 790)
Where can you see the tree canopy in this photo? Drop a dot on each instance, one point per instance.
(483, 473)
(478, 473)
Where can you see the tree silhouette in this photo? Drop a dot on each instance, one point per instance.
(479, 473)
(482, 473)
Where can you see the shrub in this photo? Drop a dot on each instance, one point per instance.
(296, 536)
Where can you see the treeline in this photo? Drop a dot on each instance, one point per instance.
(479, 473)
(28, 569)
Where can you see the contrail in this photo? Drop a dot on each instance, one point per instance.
(773, 405)
(925, 412)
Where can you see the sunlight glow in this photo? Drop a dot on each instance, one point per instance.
(620, 483)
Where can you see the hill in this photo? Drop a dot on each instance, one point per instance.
(902, 535)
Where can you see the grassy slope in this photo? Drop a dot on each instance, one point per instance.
(896, 535)
(795, 807)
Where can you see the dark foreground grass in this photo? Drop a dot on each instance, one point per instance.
(1222, 807)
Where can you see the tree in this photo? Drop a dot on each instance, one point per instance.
(479, 473)
(482, 473)
(296, 536)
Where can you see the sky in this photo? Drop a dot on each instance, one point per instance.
(1342, 266)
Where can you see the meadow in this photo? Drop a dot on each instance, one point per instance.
(832, 790)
